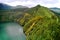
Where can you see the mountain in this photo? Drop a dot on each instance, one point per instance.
(40, 23)
(20, 6)
(10, 13)
(8, 7)
(40, 11)
(4, 6)
(56, 10)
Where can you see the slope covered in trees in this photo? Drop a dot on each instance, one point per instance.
(10, 13)
(40, 23)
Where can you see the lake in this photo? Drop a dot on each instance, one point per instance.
(11, 31)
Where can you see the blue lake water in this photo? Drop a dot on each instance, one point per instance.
(11, 31)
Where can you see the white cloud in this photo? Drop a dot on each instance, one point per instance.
(27, 3)
(54, 4)
(31, 3)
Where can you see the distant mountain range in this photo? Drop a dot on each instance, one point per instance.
(8, 7)
(8, 13)
(20, 7)
(4, 6)
(56, 10)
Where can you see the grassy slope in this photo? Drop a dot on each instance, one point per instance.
(42, 24)
(11, 14)
(39, 23)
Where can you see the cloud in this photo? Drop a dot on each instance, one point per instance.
(24, 3)
(31, 3)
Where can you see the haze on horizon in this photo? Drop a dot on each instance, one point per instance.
(32, 3)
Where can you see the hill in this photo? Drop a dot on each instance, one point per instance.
(8, 7)
(10, 13)
(40, 23)
(4, 6)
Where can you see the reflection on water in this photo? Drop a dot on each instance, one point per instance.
(11, 31)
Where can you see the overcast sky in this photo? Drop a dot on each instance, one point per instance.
(32, 3)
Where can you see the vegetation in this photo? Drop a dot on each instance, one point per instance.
(43, 24)
(11, 14)
(39, 23)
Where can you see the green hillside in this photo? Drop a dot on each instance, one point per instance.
(40, 11)
(11, 14)
(40, 24)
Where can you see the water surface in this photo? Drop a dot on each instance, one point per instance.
(11, 31)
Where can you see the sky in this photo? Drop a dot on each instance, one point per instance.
(32, 3)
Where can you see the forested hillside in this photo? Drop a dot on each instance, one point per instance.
(10, 13)
(40, 23)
